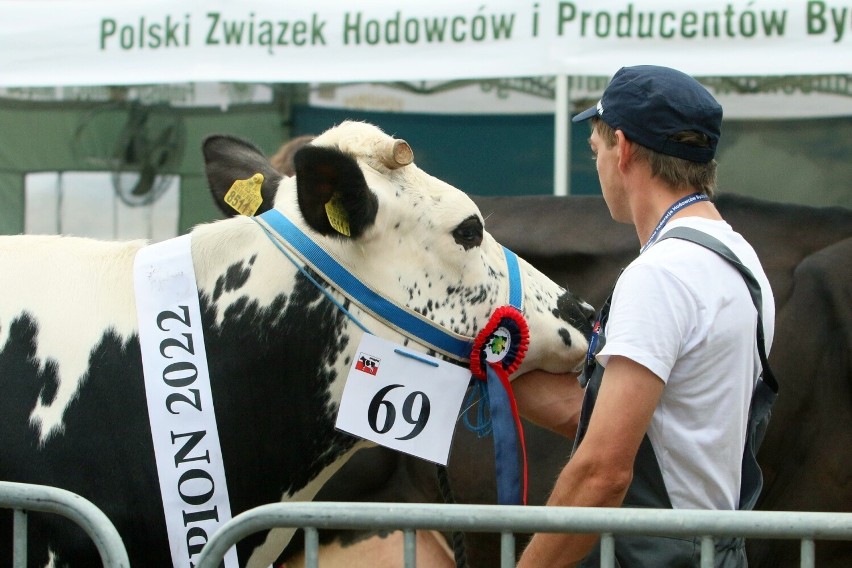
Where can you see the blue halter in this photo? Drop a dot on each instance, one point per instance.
(401, 318)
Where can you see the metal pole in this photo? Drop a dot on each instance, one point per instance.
(607, 550)
(562, 131)
(409, 546)
(19, 539)
(808, 553)
(311, 547)
(708, 550)
(507, 549)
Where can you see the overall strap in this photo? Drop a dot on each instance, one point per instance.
(766, 388)
(714, 244)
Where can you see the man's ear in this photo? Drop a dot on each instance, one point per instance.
(624, 150)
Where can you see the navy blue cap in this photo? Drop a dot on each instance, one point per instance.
(650, 104)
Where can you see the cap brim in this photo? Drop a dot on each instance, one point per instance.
(586, 114)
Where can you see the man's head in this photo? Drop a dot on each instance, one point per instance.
(668, 113)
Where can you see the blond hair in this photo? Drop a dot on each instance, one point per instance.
(675, 172)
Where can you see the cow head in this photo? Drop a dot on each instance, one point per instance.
(416, 240)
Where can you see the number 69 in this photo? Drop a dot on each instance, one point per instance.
(419, 421)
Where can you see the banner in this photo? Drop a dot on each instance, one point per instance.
(189, 459)
(96, 42)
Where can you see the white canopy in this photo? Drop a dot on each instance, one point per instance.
(133, 42)
(87, 42)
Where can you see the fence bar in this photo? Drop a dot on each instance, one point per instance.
(708, 551)
(530, 519)
(311, 547)
(808, 553)
(507, 549)
(607, 551)
(19, 539)
(54, 500)
(409, 547)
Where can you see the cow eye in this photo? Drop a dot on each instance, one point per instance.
(469, 233)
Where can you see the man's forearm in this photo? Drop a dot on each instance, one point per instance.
(549, 400)
(557, 550)
(576, 487)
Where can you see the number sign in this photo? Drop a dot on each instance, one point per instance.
(402, 399)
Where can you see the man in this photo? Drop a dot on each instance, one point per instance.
(675, 377)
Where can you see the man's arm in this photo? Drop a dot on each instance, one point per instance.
(550, 400)
(600, 472)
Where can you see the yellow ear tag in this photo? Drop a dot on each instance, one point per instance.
(244, 195)
(337, 215)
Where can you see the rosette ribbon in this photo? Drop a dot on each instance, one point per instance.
(498, 351)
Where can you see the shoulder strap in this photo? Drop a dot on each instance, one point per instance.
(714, 244)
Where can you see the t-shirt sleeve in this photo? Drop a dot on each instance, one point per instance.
(652, 312)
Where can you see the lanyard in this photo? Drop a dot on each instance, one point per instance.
(678, 205)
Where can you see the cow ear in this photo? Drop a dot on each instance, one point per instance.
(333, 194)
(228, 159)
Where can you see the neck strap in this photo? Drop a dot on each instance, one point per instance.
(677, 206)
(401, 318)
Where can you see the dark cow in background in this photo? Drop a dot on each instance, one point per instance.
(806, 457)
(73, 406)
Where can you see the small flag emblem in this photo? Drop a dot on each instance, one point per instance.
(367, 364)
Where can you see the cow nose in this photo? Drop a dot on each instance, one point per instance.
(589, 312)
(576, 312)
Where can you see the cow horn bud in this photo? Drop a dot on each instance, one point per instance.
(397, 154)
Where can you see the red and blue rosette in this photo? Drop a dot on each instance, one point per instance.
(498, 351)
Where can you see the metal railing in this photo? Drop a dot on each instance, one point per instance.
(23, 497)
(507, 520)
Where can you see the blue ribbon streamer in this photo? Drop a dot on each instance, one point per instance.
(477, 395)
(506, 447)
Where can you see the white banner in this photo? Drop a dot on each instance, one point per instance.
(92, 42)
(180, 401)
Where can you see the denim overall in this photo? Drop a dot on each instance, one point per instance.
(647, 488)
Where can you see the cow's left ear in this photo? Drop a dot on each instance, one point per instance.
(333, 194)
(228, 159)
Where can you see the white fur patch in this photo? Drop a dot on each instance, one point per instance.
(75, 290)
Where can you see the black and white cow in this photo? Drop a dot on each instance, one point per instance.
(73, 406)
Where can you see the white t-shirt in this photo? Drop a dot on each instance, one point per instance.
(685, 313)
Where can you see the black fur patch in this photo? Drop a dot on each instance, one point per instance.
(569, 309)
(323, 173)
(234, 278)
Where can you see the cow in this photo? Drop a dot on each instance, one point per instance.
(807, 254)
(279, 338)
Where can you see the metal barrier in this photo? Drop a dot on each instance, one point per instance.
(22, 497)
(508, 520)
(505, 520)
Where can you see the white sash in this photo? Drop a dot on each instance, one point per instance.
(180, 402)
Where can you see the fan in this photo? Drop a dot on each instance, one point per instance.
(149, 143)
